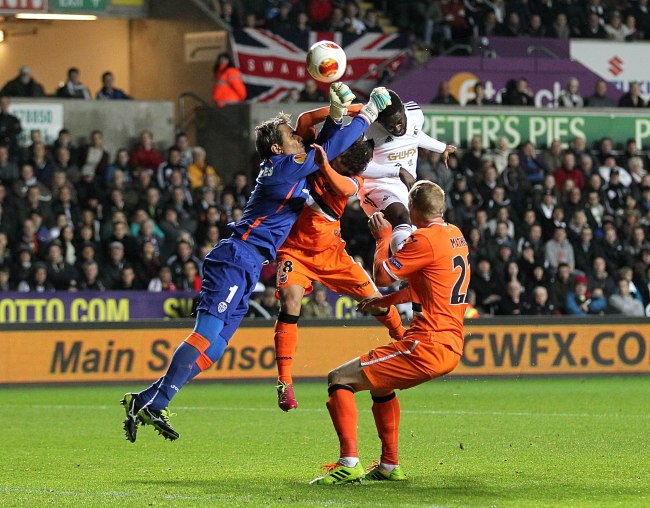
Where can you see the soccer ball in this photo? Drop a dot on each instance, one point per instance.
(326, 61)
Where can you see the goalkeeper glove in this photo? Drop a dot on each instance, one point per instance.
(340, 98)
(379, 99)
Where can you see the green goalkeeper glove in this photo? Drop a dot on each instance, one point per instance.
(340, 98)
(379, 99)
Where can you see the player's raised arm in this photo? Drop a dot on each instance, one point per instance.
(343, 139)
(342, 185)
(429, 143)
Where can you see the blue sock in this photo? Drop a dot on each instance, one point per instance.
(182, 367)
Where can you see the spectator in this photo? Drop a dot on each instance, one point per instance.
(64, 139)
(622, 302)
(281, 23)
(93, 157)
(512, 27)
(191, 280)
(581, 302)
(59, 272)
(38, 281)
(641, 13)
(199, 169)
(163, 282)
(145, 155)
(535, 27)
(90, 277)
(9, 172)
(600, 278)
(610, 167)
(480, 99)
(454, 14)
(560, 28)
(228, 87)
(239, 188)
(182, 255)
(517, 93)
(512, 303)
(632, 98)
(354, 25)
(568, 171)
(633, 32)
(593, 29)
(317, 307)
(23, 85)
(371, 22)
(231, 15)
(128, 280)
(570, 97)
(444, 94)
(552, 156)
(167, 168)
(615, 29)
(73, 88)
(337, 20)
(488, 289)
(122, 163)
(302, 25)
(531, 164)
(311, 93)
(558, 250)
(5, 279)
(560, 287)
(292, 96)
(265, 306)
(10, 128)
(319, 13)
(600, 99)
(108, 91)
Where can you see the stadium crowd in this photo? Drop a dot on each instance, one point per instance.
(439, 23)
(551, 231)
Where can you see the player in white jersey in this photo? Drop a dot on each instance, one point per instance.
(396, 136)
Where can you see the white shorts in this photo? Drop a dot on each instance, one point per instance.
(376, 195)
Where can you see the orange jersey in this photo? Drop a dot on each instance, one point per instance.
(434, 261)
(319, 224)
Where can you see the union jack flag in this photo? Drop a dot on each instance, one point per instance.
(271, 65)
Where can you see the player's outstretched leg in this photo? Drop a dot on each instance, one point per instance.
(343, 411)
(385, 409)
(195, 354)
(285, 338)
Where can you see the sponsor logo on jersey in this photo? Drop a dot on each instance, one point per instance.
(284, 278)
(402, 154)
(388, 139)
(300, 158)
(395, 263)
(221, 308)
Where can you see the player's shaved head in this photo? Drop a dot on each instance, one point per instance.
(428, 199)
(355, 159)
(268, 133)
(393, 117)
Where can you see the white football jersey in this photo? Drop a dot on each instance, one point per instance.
(391, 153)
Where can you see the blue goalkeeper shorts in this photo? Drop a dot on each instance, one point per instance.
(230, 272)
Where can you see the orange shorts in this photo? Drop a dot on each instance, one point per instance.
(407, 363)
(333, 267)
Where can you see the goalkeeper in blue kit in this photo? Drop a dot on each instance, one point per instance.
(232, 268)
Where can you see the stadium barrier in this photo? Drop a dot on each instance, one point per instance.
(141, 350)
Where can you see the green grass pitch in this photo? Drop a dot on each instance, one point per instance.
(495, 443)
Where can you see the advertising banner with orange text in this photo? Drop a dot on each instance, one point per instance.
(141, 352)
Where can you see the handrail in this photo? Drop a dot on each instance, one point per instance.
(212, 15)
(182, 120)
(466, 47)
(531, 49)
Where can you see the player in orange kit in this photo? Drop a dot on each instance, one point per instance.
(434, 261)
(314, 251)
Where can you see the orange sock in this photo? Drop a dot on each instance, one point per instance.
(343, 411)
(286, 338)
(393, 321)
(386, 413)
